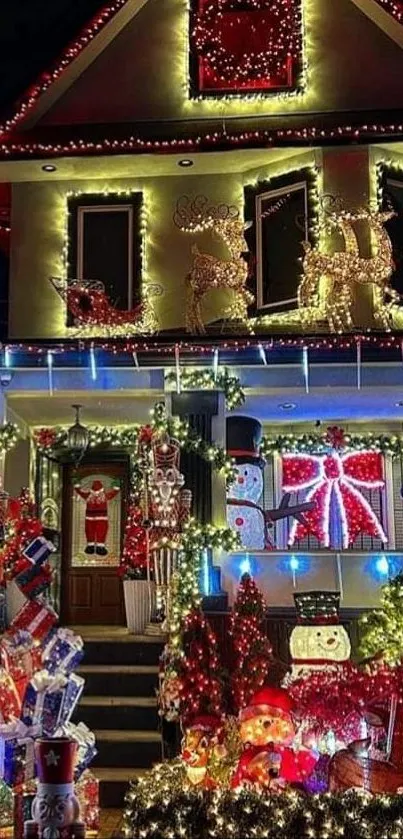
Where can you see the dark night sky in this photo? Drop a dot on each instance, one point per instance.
(32, 35)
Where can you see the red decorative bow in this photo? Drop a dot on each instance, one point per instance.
(340, 477)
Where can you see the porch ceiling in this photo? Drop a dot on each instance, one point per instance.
(37, 409)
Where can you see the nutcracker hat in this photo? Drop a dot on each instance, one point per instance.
(55, 759)
(271, 701)
(244, 435)
(166, 452)
(317, 607)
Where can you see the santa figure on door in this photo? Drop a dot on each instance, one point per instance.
(96, 515)
(244, 513)
(319, 640)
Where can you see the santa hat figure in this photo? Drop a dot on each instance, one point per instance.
(55, 808)
(267, 730)
(319, 640)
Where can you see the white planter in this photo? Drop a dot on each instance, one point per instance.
(139, 603)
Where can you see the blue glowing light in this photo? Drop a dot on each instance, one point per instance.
(382, 566)
(245, 566)
(93, 363)
(294, 563)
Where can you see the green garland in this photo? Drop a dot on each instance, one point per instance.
(50, 440)
(9, 436)
(319, 444)
(161, 805)
(207, 379)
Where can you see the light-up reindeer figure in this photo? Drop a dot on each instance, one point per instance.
(344, 268)
(212, 272)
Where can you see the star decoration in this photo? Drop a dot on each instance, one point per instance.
(52, 759)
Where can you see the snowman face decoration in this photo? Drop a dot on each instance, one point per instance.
(329, 642)
(248, 484)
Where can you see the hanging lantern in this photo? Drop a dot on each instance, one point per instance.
(77, 437)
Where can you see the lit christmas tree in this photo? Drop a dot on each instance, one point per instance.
(383, 628)
(134, 557)
(201, 686)
(251, 649)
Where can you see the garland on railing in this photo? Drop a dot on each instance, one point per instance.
(207, 379)
(319, 443)
(49, 440)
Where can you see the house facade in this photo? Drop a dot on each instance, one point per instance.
(180, 199)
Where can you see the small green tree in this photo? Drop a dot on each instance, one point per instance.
(383, 628)
(251, 649)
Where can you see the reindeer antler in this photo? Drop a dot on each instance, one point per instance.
(197, 213)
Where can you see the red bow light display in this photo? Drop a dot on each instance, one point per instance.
(337, 477)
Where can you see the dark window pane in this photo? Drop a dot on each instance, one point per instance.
(105, 254)
(282, 234)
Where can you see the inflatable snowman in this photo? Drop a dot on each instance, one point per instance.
(319, 640)
(244, 513)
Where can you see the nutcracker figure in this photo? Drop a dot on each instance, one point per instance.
(169, 509)
(55, 809)
(96, 515)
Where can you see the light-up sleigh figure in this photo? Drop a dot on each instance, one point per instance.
(328, 281)
(94, 314)
(212, 272)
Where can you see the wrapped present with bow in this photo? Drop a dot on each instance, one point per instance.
(87, 792)
(37, 618)
(85, 740)
(39, 550)
(10, 702)
(63, 652)
(43, 701)
(21, 656)
(17, 762)
(35, 580)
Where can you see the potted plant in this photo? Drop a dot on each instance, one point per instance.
(139, 589)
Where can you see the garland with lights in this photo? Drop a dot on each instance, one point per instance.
(383, 627)
(9, 436)
(50, 440)
(158, 806)
(209, 380)
(264, 66)
(318, 444)
(251, 649)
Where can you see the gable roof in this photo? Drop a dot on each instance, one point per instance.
(30, 132)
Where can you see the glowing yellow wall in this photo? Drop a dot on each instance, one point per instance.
(38, 239)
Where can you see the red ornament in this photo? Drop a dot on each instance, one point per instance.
(335, 437)
(146, 435)
(45, 438)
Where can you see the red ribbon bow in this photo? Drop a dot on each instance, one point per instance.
(337, 477)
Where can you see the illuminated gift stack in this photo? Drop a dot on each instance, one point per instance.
(39, 690)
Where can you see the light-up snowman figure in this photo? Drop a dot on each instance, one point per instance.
(244, 514)
(319, 640)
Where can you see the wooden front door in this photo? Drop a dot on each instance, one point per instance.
(94, 502)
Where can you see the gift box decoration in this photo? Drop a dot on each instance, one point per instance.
(10, 702)
(6, 806)
(34, 580)
(39, 550)
(85, 740)
(23, 800)
(3, 609)
(37, 618)
(21, 656)
(87, 792)
(17, 761)
(63, 652)
(72, 693)
(43, 701)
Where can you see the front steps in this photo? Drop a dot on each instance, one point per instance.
(119, 704)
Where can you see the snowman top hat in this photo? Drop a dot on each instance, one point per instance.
(244, 435)
(317, 607)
